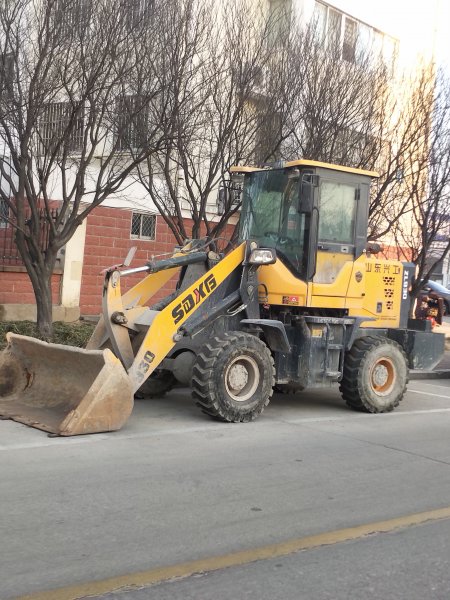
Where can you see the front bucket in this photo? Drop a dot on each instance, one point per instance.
(62, 389)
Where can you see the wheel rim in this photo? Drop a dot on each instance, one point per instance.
(382, 376)
(242, 378)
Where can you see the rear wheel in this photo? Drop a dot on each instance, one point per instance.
(233, 377)
(375, 375)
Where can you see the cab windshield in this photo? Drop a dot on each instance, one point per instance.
(270, 215)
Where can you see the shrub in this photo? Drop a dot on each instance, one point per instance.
(71, 334)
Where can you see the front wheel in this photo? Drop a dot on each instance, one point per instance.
(233, 377)
(157, 385)
(375, 375)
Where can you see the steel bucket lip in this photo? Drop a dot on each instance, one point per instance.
(64, 390)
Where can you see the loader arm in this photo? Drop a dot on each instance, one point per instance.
(164, 329)
(136, 297)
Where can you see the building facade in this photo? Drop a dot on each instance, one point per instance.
(129, 218)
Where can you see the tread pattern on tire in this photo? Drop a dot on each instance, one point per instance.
(351, 384)
(204, 389)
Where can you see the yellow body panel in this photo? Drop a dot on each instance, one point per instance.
(365, 287)
(382, 286)
(281, 285)
(329, 266)
(159, 339)
(333, 294)
(145, 289)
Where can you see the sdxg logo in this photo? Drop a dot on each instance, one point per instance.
(191, 300)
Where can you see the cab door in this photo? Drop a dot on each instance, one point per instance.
(338, 202)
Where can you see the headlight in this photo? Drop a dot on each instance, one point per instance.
(263, 256)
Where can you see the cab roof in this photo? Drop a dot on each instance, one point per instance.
(304, 163)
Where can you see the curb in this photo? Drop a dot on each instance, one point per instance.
(438, 374)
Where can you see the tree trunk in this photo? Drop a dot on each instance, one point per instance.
(40, 274)
(44, 320)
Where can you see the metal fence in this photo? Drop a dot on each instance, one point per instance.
(9, 253)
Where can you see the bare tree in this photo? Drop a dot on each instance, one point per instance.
(219, 72)
(350, 106)
(422, 234)
(403, 135)
(258, 87)
(79, 81)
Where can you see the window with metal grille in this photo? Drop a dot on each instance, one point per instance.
(131, 122)
(71, 17)
(7, 69)
(4, 212)
(267, 136)
(334, 30)
(349, 45)
(138, 12)
(143, 226)
(319, 21)
(60, 124)
(349, 38)
(279, 20)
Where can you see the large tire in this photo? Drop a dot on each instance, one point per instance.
(156, 385)
(233, 377)
(159, 382)
(375, 375)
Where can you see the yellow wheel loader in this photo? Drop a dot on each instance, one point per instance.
(302, 300)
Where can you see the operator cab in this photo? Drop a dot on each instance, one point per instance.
(313, 214)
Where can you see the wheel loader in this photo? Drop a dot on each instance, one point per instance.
(302, 300)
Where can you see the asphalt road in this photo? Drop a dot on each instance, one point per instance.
(174, 487)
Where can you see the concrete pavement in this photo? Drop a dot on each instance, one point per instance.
(408, 564)
(174, 486)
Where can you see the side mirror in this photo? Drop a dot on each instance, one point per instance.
(222, 199)
(229, 194)
(373, 248)
(306, 202)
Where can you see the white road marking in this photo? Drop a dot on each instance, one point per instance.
(435, 385)
(429, 394)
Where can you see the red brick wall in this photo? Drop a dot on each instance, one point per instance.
(107, 243)
(15, 285)
(15, 288)
(396, 253)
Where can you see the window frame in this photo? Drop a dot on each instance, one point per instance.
(129, 130)
(349, 48)
(8, 70)
(56, 124)
(377, 41)
(334, 243)
(138, 13)
(72, 18)
(140, 236)
(4, 214)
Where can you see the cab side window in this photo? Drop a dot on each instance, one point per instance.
(337, 212)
